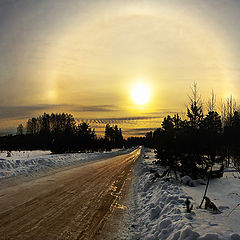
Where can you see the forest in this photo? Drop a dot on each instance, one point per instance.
(195, 144)
(60, 133)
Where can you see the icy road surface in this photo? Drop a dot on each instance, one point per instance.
(70, 204)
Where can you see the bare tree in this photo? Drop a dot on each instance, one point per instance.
(223, 110)
(227, 110)
(211, 103)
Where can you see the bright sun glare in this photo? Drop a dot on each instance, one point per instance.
(141, 94)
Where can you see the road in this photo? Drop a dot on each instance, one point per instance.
(71, 204)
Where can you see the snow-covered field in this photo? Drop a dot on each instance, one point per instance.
(158, 211)
(28, 163)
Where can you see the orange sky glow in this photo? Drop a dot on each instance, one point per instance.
(87, 57)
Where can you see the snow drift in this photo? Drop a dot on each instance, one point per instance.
(31, 162)
(158, 211)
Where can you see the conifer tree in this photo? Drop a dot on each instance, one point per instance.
(167, 123)
(195, 110)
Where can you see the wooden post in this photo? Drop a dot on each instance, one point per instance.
(204, 195)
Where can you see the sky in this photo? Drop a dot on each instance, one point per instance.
(86, 57)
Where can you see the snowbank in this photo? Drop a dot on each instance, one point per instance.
(158, 211)
(186, 180)
(31, 162)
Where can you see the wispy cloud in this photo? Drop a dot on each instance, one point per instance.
(95, 108)
(137, 131)
(131, 125)
(21, 112)
(141, 129)
(163, 111)
(128, 124)
(118, 120)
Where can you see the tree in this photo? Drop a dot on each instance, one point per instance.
(211, 104)
(20, 129)
(109, 133)
(113, 136)
(85, 137)
(178, 123)
(227, 110)
(34, 125)
(231, 138)
(44, 123)
(167, 123)
(84, 131)
(212, 122)
(29, 127)
(212, 127)
(235, 120)
(195, 111)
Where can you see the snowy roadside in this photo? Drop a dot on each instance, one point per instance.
(157, 207)
(28, 163)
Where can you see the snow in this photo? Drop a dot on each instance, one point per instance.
(157, 209)
(186, 180)
(27, 163)
(225, 193)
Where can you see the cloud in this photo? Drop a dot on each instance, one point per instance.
(128, 124)
(138, 131)
(163, 111)
(21, 112)
(141, 129)
(134, 133)
(95, 108)
(99, 129)
(118, 120)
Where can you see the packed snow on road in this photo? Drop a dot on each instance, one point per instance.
(157, 208)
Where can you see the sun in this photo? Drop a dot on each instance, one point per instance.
(140, 94)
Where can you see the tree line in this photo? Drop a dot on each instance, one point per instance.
(60, 133)
(194, 144)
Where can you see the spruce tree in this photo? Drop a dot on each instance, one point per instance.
(195, 110)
